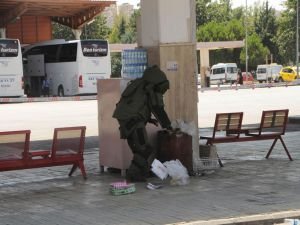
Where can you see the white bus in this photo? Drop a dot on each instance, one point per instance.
(72, 67)
(268, 72)
(223, 73)
(11, 69)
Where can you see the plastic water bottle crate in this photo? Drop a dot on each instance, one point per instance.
(204, 164)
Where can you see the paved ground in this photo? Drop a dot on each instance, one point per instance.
(247, 185)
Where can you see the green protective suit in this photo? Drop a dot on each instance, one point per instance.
(142, 98)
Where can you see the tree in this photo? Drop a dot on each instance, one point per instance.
(209, 11)
(265, 26)
(118, 30)
(97, 29)
(257, 51)
(124, 31)
(202, 12)
(60, 31)
(225, 31)
(286, 34)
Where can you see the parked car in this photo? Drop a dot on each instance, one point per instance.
(247, 77)
(287, 73)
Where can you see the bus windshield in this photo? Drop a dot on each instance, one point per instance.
(9, 48)
(94, 48)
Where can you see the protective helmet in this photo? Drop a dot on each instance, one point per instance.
(162, 87)
(154, 75)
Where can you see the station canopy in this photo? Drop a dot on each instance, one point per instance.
(72, 13)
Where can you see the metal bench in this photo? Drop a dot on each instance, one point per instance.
(272, 126)
(67, 149)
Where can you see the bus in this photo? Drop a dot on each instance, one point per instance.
(223, 73)
(11, 69)
(72, 67)
(268, 72)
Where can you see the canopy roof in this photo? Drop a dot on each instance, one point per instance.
(72, 13)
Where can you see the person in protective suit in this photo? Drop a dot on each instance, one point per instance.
(142, 98)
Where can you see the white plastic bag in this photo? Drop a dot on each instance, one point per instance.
(159, 169)
(185, 127)
(178, 172)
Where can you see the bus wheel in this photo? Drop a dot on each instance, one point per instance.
(60, 91)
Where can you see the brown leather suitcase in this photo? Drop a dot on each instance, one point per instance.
(174, 145)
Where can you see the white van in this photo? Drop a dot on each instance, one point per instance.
(267, 72)
(223, 73)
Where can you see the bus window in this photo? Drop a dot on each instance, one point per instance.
(50, 52)
(68, 52)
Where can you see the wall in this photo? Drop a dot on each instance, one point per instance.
(30, 29)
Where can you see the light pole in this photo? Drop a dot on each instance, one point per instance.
(297, 40)
(246, 39)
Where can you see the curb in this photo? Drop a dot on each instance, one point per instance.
(47, 99)
(294, 119)
(260, 219)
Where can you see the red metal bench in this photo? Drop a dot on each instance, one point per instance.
(226, 129)
(67, 149)
(14, 149)
(272, 127)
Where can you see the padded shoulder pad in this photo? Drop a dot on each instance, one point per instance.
(131, 87)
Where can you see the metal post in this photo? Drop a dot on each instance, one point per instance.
(297, 40)
(246, 41)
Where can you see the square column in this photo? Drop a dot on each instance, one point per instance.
(167, 31)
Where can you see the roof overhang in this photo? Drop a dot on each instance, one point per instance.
(220, 45)
(72, 13)
(200, 45)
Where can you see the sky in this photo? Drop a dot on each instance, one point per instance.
(273, 3)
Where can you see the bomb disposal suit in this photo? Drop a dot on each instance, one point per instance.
(142, 98)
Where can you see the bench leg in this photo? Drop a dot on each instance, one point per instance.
(82, 168)
(272, 146)
(285, 148)
(74, 167)
(219, 160)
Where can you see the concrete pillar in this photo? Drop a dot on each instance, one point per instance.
(169, 36)
(77, 33)
(2, 32)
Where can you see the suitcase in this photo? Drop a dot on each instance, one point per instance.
(174, 145)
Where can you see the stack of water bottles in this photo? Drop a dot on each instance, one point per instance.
(290, 222)
(134, 62)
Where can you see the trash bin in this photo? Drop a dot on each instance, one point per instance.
(174, 145)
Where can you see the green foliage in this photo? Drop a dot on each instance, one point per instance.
(286, 34)
(96, 30)
(116, 64)
(266, 27)
(124, 29)
(209, 11)
(226, 31)
(268, 31)
(257, 51)
(60, 31)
